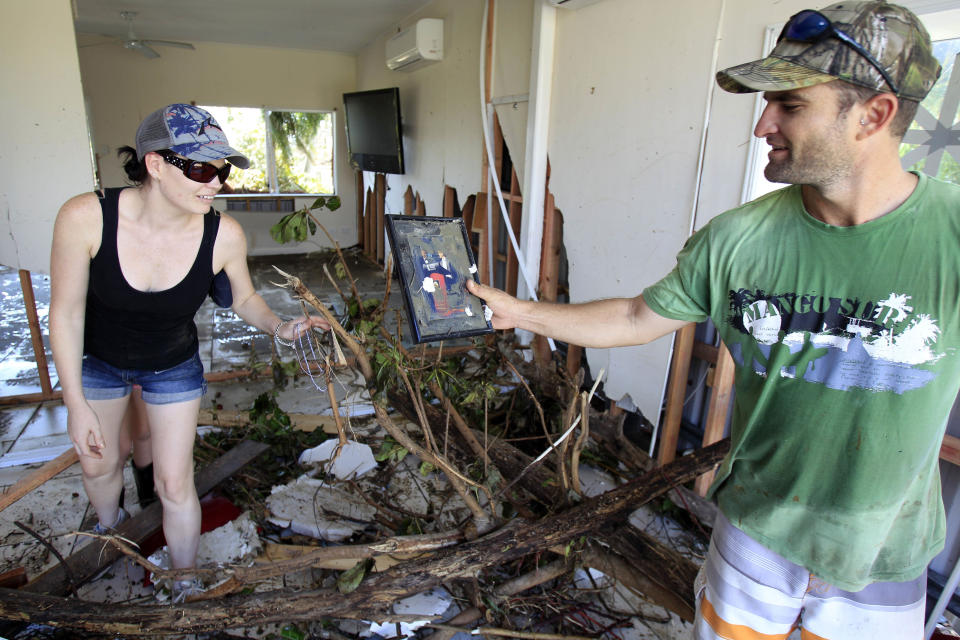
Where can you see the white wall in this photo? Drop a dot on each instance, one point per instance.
(44, 151)
(625, 126)
(512, 30)
(440, 107)
(123, 86)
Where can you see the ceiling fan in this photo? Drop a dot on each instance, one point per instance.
(145, 47)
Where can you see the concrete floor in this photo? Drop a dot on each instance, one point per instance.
(33, 434)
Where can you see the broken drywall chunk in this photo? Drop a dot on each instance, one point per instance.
(593, 481)
(236, 542)
(429, 604)
(314, 508)
(349, 461)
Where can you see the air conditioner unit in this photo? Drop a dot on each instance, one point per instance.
(417, 46)
(571, 4)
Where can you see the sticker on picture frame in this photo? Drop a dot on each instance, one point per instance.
(433, 261)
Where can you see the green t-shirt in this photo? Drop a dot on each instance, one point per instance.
(846, 344)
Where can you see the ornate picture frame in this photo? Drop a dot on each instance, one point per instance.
(433, 261)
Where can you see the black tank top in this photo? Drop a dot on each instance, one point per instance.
(132, 329)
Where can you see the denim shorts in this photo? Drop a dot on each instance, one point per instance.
(180, 383)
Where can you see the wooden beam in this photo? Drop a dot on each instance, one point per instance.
(718, 408)
(449, 201)
(29, 398)
(676, 393)
(36, 336)
(37, 477)
(94, 556)
(950, 449)
(369, 246)
(705, 352)
(380, 195)
(360, 202)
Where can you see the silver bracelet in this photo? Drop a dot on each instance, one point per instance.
(278, 339)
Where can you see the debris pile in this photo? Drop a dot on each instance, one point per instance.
(486, 492)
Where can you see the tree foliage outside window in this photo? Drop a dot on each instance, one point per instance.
(291, 152)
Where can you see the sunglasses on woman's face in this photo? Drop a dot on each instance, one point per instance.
(812, 26)
(194, 169)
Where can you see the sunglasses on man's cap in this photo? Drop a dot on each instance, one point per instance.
(812, 26)
(196, 170)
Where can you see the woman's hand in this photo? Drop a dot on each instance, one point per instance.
(84, 429)
(293, 329)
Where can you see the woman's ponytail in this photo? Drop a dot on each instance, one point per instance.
(135, 168)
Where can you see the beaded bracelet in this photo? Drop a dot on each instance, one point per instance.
(279, 340)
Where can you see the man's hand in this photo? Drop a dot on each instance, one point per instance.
(505, 307)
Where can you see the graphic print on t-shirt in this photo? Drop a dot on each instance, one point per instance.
(842, 343)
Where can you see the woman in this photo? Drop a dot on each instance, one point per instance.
(129, 269)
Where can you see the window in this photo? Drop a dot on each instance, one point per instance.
(291, 152)
(932, 145)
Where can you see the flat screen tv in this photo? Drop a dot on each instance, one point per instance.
(374, 135)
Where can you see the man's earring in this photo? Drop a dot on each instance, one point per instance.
(863, 122)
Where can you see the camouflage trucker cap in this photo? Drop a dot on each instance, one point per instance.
(188, 130)
(892, 34)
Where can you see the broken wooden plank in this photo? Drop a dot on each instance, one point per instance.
(676, 392)
(721, 395)
(274, 553)
(14, 578)
(37, 477)
(300, 421)
(950, 449)
(91, 558)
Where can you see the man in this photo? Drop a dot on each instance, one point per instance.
(837, 297)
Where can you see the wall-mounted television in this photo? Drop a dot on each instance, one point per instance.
(374, 134)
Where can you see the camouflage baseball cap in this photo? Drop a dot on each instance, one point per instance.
(189, 131)
(892, 34)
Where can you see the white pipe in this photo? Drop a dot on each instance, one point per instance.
(538, 124)
(942, 601)
(495, 182)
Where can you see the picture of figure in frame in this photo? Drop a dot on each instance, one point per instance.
(434, 260)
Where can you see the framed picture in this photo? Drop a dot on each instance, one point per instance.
(434, 261)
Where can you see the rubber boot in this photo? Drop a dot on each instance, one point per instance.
(143, 477)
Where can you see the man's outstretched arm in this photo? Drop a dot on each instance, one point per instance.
(612, 322)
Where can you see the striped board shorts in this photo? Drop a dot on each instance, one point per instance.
(747, 592)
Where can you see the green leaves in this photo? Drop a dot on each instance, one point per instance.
(350, 579)
(267, 412)
(299, 225)
(292, 632)
(330, 202)
(390, 449)
(293, 227)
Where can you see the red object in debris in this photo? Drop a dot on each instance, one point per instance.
(215, 511)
